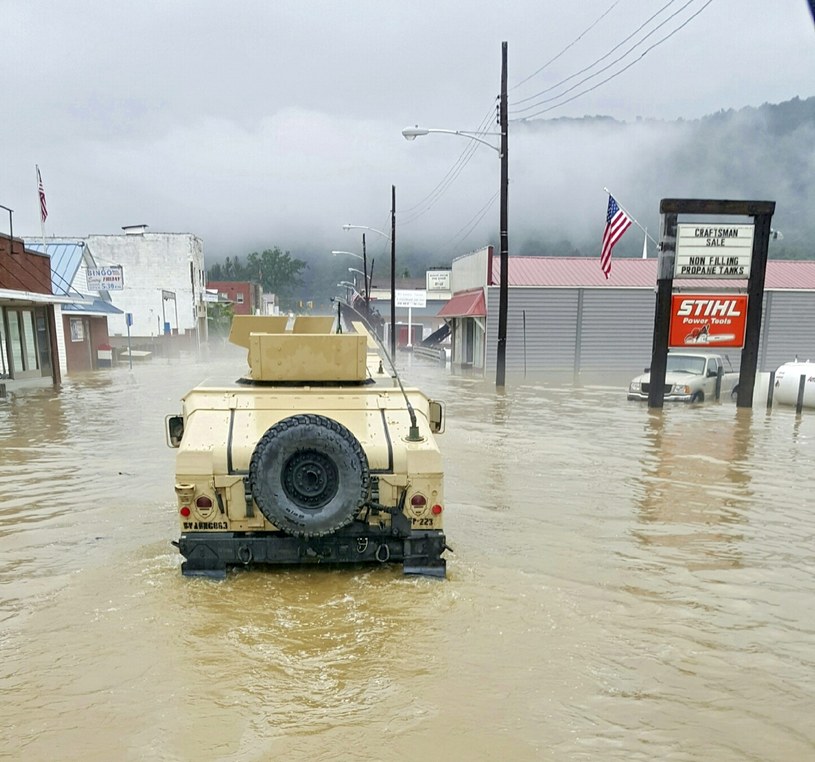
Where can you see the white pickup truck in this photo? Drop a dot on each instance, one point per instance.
(689, 377)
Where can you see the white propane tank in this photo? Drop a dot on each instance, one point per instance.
(787, 379)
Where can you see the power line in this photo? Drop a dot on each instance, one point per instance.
(617, 73)
(463, 233)
(571, 44)
(606, 55)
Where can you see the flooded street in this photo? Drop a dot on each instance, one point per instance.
(625, 585)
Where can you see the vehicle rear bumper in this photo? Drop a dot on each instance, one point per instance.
(209, 554)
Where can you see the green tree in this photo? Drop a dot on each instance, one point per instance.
(219, 320)
(277, 272)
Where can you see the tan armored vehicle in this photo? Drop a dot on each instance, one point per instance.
(317, 455)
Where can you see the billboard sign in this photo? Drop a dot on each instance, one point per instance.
(707, 320)
(106, 278)
(411, 297)
(713, 251)
(438, 280)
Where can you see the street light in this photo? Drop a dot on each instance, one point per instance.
(349, 253)
(392, 239)
(411, 133)
(365, 227)
(366, 279)
(360, 272)
(349, 287)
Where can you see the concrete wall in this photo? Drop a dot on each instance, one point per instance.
(154, 262)
(471, 270)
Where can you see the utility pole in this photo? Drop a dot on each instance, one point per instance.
(393, 273)
(365, 275)
(503, 292)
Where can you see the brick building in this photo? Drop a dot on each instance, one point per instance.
(27, 322)
(246, 297)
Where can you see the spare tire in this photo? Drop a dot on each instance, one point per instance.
(309, 475)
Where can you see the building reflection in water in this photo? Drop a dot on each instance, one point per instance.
(695, 486)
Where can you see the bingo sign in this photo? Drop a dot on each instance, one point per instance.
(713, 251)
(106, 278)
(708, 320)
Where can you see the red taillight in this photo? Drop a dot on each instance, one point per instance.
(418, 499)
(185, 511)
(203, 502)
(436, 509)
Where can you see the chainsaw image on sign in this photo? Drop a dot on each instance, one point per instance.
(707, 319)
(703, 335)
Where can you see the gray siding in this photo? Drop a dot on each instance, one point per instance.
(788, 328)
(577, 329)
(617, 329)
(573, 329)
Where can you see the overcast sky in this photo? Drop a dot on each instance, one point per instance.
(273, 122)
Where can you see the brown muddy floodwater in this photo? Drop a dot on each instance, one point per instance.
(626, 585)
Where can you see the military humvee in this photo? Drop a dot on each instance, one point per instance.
(317, 455)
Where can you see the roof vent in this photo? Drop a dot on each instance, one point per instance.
(134, 229)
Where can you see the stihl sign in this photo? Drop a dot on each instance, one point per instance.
(708, 319)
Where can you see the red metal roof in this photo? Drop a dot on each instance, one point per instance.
(466, 304)
(584, 272)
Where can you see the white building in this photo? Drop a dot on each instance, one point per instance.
(164, 281)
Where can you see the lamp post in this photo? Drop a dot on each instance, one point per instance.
(348, 288)
(411, 133)
(364, 275)
(364, 266)
(392, 239)
(10, 226)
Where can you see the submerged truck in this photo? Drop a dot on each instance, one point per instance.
(316, 455)
(689, 377)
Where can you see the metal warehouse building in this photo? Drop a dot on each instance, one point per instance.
(563, 315)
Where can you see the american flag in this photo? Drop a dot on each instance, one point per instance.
(617, 222)
(41, 192)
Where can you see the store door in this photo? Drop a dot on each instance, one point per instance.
(23, 335)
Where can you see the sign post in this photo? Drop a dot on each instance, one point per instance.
(702, 251)
(411, 298)
(129, 322)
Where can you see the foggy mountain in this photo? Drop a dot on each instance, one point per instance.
(557, 205)
(764, 153)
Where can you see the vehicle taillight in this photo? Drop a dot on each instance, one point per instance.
(418, 500)
(436, 509)
(185, 511)
(203, 502)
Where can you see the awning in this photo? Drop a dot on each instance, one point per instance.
(468, 304)
(98, 307)
(32, 296)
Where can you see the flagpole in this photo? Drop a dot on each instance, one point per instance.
(43, 215)
(645, 245)
(636, 222)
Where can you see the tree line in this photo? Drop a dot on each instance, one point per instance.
(277, 272)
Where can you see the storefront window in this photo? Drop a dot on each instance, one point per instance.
(22, 342)
(16, 340)
(5, 370)
(77, 329)
(30, 341)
